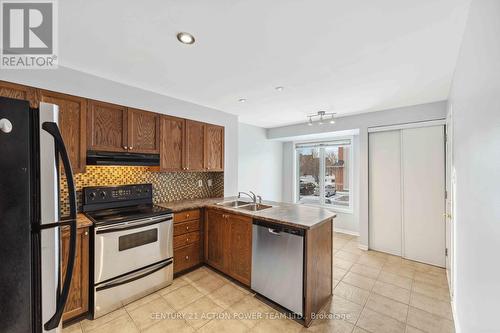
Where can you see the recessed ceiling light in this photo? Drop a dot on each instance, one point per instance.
(242, 100)
(185, 38)
(279, 88)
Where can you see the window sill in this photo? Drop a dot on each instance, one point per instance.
(334, 209)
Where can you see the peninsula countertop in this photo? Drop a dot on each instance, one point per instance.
(295, 215)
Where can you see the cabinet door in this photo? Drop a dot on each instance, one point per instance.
(107, 127)
(18, 91)
(240, 248)
(215, 240)
(143, 131)
(78, 299)
(214, 148)
(195, 146)
(172, 144)
(72, 122)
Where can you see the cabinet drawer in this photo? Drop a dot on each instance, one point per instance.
(187, 215)
(185, 227)
(186, 239)
(186, 257)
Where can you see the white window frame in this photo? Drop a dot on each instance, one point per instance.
(340, 209)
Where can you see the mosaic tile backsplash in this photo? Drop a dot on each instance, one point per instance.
(167, 186)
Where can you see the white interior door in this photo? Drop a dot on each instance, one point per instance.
(423, 188)
(385, 192)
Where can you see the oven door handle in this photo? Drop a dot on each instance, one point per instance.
(131, 225)
(134, 276)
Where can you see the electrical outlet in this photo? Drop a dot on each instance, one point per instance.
(209, 183)
(200, 183)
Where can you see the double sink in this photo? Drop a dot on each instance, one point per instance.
(244, 205)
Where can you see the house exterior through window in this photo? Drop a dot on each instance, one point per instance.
(324, 172)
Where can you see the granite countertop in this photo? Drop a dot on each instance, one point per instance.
(82, 221)
(299, 216)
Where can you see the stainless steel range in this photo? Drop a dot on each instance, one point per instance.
(133, 251)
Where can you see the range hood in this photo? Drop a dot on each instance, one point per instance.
(131, 159)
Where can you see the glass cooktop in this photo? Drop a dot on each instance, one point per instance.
(124, 214)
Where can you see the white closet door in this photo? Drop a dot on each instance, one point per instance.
(385, 192)
(423, 186)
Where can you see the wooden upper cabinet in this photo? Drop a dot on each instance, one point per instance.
(191, 145)
(18, 91)
(240, 245)
(195, 146)
(172, 143)
(143, 131)
(107, 127)
(72, 123)
(214, 148)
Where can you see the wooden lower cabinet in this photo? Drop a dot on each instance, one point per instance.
(78, 299)
(216, 240)
(228, 244)
(186, 257)
(187, 240)
(240, 248)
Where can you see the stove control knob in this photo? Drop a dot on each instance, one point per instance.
(92, 195)
(103, 195)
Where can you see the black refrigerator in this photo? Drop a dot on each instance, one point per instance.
(32, 291)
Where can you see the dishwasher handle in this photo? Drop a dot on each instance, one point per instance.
(278, 229)
(274, 231)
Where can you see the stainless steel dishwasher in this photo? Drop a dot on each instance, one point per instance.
(278, 264)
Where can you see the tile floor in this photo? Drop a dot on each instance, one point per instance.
(373, 292)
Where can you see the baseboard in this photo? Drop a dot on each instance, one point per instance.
(346, 231)
(363, 247)
(454, 314)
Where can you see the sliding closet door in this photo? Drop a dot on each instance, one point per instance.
(385, 192)
(423, 186)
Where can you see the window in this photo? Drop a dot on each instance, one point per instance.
(324, 172)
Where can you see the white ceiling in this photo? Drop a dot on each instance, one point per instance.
(342, 56)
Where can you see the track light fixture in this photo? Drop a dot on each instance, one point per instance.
(322, 115)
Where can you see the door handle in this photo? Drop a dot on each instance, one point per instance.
(53, 130)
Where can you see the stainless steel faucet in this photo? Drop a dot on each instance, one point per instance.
(251, 196)
(255, 197)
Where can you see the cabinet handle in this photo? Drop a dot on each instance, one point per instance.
(187, 228)
(187, 257)
(86, 233)
(187, 215)
(131, 148)
(125, 147)
(187, 239)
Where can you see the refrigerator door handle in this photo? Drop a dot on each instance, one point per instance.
(53, 130)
